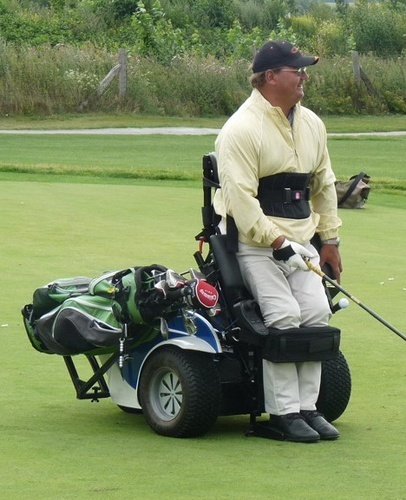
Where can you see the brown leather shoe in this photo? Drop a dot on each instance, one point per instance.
(317, 422)
(294, 428)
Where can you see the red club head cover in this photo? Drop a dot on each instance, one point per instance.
(203, 294)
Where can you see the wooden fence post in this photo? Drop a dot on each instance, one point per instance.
(356, 67)
(119, 69)
(122, 76)
(360, 76)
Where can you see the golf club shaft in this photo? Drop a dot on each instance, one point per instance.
(318, 271)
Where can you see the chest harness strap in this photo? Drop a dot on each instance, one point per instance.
(284, 195)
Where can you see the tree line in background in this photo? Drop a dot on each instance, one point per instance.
(53, 53)
(226, 29)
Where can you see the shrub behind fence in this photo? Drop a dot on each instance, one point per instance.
(51, 80)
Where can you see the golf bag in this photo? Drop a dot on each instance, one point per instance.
(353, 193)
(81, 315)
(93, 316)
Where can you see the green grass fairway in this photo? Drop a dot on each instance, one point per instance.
(176, 158)
(56, 447)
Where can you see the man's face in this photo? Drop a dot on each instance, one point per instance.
(288, 83)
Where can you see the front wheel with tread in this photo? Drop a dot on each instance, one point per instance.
(180, 392)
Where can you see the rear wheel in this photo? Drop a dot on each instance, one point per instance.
(180, 392)
(335, 388)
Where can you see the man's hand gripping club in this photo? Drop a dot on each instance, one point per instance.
(293, 254)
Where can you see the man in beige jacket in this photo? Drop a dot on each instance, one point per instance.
(278, 186)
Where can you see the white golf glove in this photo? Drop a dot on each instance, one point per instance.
(292, 254)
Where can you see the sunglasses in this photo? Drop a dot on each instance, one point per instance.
(299, 72)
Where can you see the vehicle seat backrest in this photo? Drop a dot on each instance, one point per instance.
(210, 184)
(210, 169)
(230, 274)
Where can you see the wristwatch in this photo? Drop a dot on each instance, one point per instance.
(332, 241)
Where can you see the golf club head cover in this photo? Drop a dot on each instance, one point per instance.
(202, 294)
(292, 254)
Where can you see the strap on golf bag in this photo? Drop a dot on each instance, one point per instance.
(354, 192)
(135, 293)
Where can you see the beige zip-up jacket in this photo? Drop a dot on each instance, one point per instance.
(258, 141)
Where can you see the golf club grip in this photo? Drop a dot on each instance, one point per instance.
(178, 293)
(314, 268)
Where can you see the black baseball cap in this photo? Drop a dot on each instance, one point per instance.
(276, 53)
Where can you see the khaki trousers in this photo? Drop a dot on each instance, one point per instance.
(288, 298)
